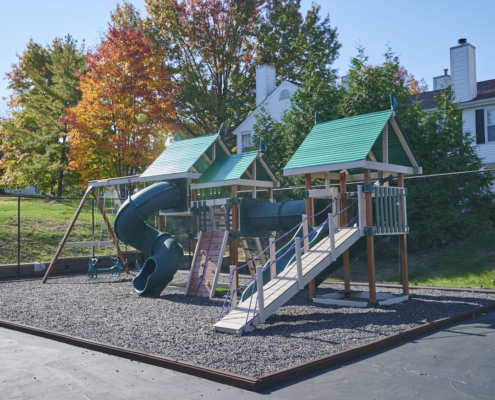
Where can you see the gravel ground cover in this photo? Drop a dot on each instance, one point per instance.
(173, 325)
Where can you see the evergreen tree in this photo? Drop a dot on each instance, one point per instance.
(34, 146)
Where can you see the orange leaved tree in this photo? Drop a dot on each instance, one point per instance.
(125, 78)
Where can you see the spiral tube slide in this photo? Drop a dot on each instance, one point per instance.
(165, 254)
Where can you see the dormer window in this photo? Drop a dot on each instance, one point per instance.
(284, 95)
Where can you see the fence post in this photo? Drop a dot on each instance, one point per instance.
(18, 236)
(273, 266)
(300, 285)
(261, 302)
(233, 305)
(331, 230)
(305, 233)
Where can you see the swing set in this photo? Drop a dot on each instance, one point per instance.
(119, 263)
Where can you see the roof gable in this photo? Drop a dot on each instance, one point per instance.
(353, 143)
(182, 156)
(228, 168)
(273, 95)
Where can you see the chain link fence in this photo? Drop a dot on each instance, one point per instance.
(451, 242)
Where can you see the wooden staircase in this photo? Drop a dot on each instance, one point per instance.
(286, 285)
(252, 247)
(205, 268)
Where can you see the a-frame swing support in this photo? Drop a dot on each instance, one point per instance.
(91, 189)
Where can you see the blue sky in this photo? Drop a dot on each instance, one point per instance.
(420, 32)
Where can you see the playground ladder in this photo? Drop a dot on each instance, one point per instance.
(287, 284)
(205, 268)
(252, 247)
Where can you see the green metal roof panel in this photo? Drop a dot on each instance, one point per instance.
(227, 168)
(180, 156)
(339, 141)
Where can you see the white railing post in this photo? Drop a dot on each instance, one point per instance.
(361, 210)
(297, 244)
(305, 233)
(233, 287)
(261, 301)
(273, 266)
(331, 230)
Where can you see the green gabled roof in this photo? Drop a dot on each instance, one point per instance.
(227, 168)
(339, 141)
(181, 156)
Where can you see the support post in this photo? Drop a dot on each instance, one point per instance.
(344, 217)
(18, 236)
(309, 211)
(234, 243)
(66, 236)
(195, 223)
(403, 250)
(270, 194)
(370, 240)
(160, 223)
(109, 227)
(305, 233)
(331, 233)
(273, 266)
(234, 287)
(261, 300)
(300, 284)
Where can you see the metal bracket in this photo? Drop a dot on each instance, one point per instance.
(235, 235)
(234, 200)
(369, 188)
(370, 231)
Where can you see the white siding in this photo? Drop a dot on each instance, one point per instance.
(273, 105)
(472, 72)
(266, 82)
(487, 150)
(463, 68)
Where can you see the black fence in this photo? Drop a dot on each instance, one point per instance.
(451, 241)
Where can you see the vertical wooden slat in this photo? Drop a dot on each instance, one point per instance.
(234, 243)
(370, 240)
(403, 249)
(344, 217)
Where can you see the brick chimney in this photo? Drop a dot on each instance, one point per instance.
(463, 69)
(266, 82)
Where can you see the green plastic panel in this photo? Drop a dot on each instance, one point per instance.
(180, 156)
(227, 168)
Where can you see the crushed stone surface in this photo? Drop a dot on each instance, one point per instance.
(108, 310)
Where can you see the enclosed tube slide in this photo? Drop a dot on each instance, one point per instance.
(165, 254)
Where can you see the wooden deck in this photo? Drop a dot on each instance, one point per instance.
(280, 290)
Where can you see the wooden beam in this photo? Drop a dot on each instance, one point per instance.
(66, 236)
(110, 230)
(344, 220)
(270, 193)
(309, 211)
(234, 243)
(207, 158)
(370, 240)
(372, 156)
(160, 223)
(403, 142)
(194, 194)
(403, 251)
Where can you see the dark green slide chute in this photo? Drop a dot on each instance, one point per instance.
(165, 254)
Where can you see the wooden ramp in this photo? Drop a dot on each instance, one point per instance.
(205, 269)
(281, 289)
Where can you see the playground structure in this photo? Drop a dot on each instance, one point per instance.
(199, 178)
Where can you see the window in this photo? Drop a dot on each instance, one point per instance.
(490, 124)
(284, 95)
(246, 142)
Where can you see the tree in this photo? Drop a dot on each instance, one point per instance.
(441, 208)
(34, 147)
(215, 47)
(126, 77)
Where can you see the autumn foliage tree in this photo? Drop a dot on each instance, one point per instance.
(125, 78)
